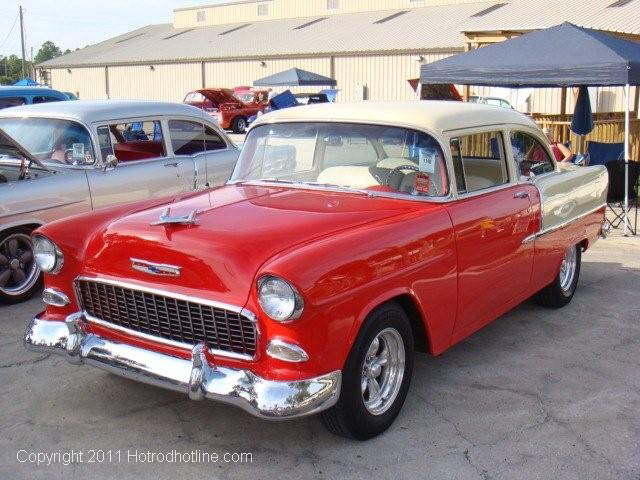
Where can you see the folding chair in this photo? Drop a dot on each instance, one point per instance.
(615, 216)
(600, 153)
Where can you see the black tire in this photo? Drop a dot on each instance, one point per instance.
(554, 295)
(17, 296)
(239, 125)
(350, 417)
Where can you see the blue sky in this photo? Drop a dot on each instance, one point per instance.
(76, 23)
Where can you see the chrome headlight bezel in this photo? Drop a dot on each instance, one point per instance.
(293, 297)
(56, 257)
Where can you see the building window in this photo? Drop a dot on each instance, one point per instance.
(201, 16)
(263, 9)
(333, 4)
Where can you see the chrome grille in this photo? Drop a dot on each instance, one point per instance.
(167, 317)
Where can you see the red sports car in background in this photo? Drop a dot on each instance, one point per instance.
(232, 113)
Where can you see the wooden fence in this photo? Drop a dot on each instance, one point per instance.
(609, 128)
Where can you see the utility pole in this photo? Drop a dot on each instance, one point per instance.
(24, 60)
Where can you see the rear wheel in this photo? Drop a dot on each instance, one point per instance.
(20, 277)
(376, 376)
(561, 291)
(239, 125)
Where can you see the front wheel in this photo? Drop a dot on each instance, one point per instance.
(376, 376)
(561, 291)
(239, 125)
(20, 277)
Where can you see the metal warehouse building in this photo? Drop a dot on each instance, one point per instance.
(371, 47)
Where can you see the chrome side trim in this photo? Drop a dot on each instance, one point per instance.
(195, 377)
(187, 298)
(529, 239)
(165, 341)
(564, 224)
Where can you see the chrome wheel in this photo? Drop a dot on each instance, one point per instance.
(18, 269)
(568, 269)
(382, 371)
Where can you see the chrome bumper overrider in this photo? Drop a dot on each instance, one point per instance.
(263, 398)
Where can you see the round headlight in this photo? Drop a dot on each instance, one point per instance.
(47, 255)
(279, 299)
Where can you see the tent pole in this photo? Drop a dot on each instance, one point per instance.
(627, 95)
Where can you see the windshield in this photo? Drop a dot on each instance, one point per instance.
(356, 156)
(51, 140)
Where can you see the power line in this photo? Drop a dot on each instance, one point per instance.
(10, 31)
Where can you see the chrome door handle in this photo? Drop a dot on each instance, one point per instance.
(521, 195)
(173, 164)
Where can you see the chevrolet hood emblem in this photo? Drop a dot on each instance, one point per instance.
(151, 268)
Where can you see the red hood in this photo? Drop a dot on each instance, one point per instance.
(239, 228)
(221, 97)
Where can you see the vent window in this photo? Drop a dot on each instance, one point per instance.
(619, 3)
(487, 11)
(391, 17)
(235, 29)
(308, 24)
(179, 33)
(201, 16)
(263, 9)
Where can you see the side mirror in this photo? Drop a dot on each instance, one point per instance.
(110, 163)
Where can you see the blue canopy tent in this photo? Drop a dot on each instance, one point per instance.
(562, 56)
(26, 82)
(295, 77)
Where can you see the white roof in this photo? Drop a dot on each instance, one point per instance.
(522, 15)
(435, 28)
(434, 116)
(86, 111)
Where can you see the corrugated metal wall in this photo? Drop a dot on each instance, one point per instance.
(278, 9)
(384, 77)
(86, 83)
(244, 72)
(164, 82)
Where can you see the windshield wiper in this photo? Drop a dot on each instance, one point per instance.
(340, 187)
(314, 184)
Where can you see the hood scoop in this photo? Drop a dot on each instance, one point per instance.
(167, 219)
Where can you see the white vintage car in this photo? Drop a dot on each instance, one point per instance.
(65, 158)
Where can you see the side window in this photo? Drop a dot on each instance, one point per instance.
(187, 138)
(479, 161)
(530, 156)
(45, 99)
(213, 141)
(133, 141)
(7, 102)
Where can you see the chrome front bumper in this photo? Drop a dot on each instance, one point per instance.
(273, 400)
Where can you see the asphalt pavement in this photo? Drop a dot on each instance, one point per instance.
(538, 394)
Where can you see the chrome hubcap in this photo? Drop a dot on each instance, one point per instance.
(18, 269)
(382, 371)
(568, 269)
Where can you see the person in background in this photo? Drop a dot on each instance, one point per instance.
(559, 149)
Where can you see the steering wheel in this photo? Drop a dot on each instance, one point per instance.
(393, 172)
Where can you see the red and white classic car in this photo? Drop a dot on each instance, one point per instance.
(348, 237)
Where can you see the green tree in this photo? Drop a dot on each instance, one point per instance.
(47, 51)
(11, 69)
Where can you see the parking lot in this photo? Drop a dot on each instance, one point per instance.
(538, 394)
